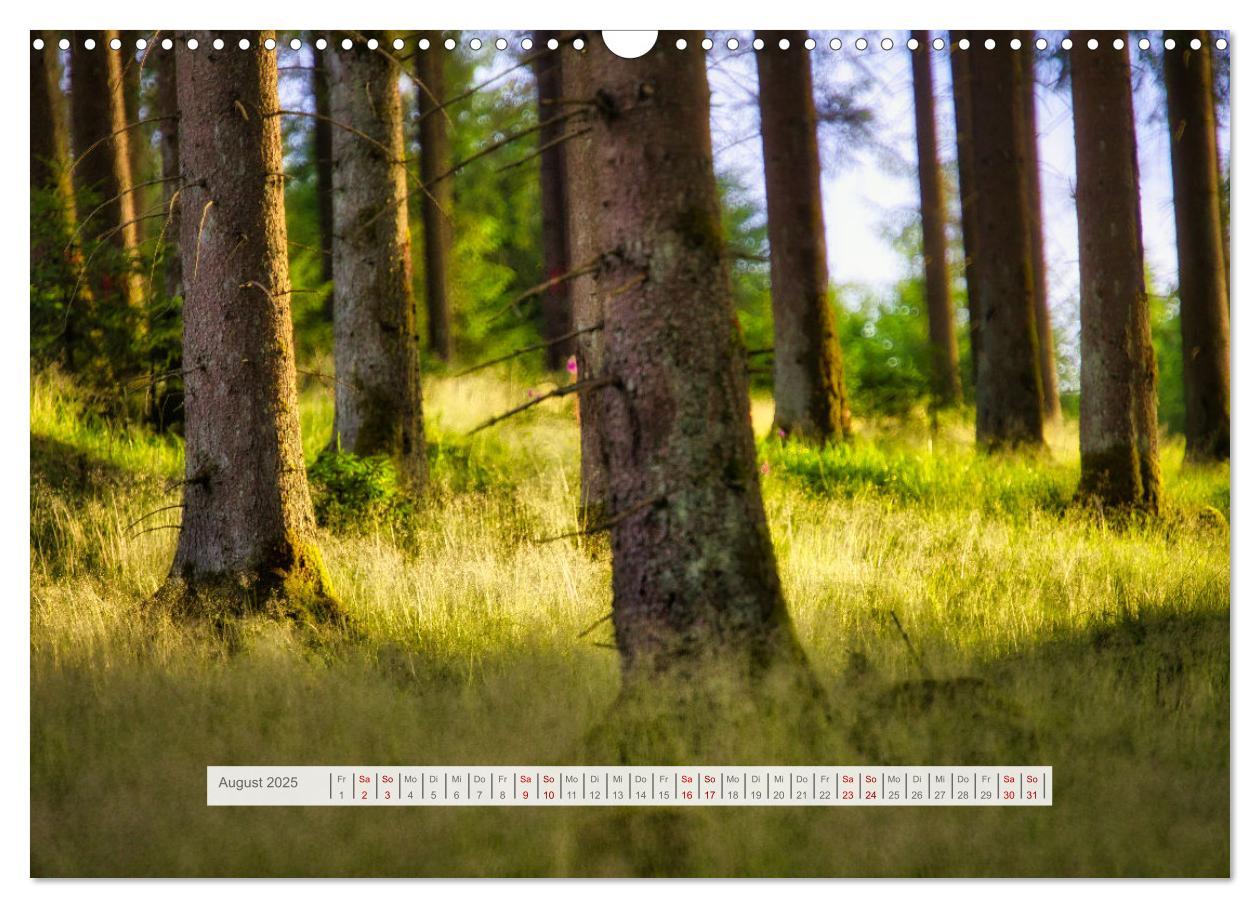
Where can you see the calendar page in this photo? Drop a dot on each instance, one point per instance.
(624, 454)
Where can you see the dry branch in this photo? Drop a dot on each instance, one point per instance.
(532, 347)
(564, 390)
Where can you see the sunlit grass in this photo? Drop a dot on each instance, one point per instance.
(1032, 633)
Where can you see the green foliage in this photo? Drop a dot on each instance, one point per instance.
(744, 232)
(353, 492)
(1166, 337)
(886, 352)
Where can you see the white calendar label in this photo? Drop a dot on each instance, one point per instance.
(621, 786)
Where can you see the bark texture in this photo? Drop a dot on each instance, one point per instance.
(1204, 283)
(809, 395)
(1008, 378)
(588, 309)
(323, 151)
(168, 143)
(960, 73)
(437, 200)
(102, 148)
(557, 310)
(247, 528)
(375, 347)
(1119, 434)
(1036, 237)
(946, 385)
(695, 589)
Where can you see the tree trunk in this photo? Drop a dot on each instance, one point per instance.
(375, 347)
(247, 531)
(1119, 443)
(1008, 379)
(946, 385)
(1050, 406)
(437, 200)
(960, 72)
(809, 395)
(50, 176)
(557, 314)
(1203, 282)
(168, 142)
(98, 122)
(695, 587)
(323, 151)
(588, 309)
(138, 138)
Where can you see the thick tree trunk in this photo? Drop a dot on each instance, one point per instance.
(248, 529)
(588, 309)
(960, 72)
(437, 201)
(168, 143)
(809, 395)
(375, 346)
(1008, 379)
(323, 151)
(1204, 288)
(98, 122)
(695, 587)
(557, 310)
(1119, 443)
(1050, 406)
(946, 385)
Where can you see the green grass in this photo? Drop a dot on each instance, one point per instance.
(1037, 635)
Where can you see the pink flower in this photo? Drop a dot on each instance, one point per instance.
(765, 469)
(531, 394)
(782, 432)
(571, 365)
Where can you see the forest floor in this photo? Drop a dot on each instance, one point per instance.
(1034, 634)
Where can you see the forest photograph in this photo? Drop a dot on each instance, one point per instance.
(763, 399)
